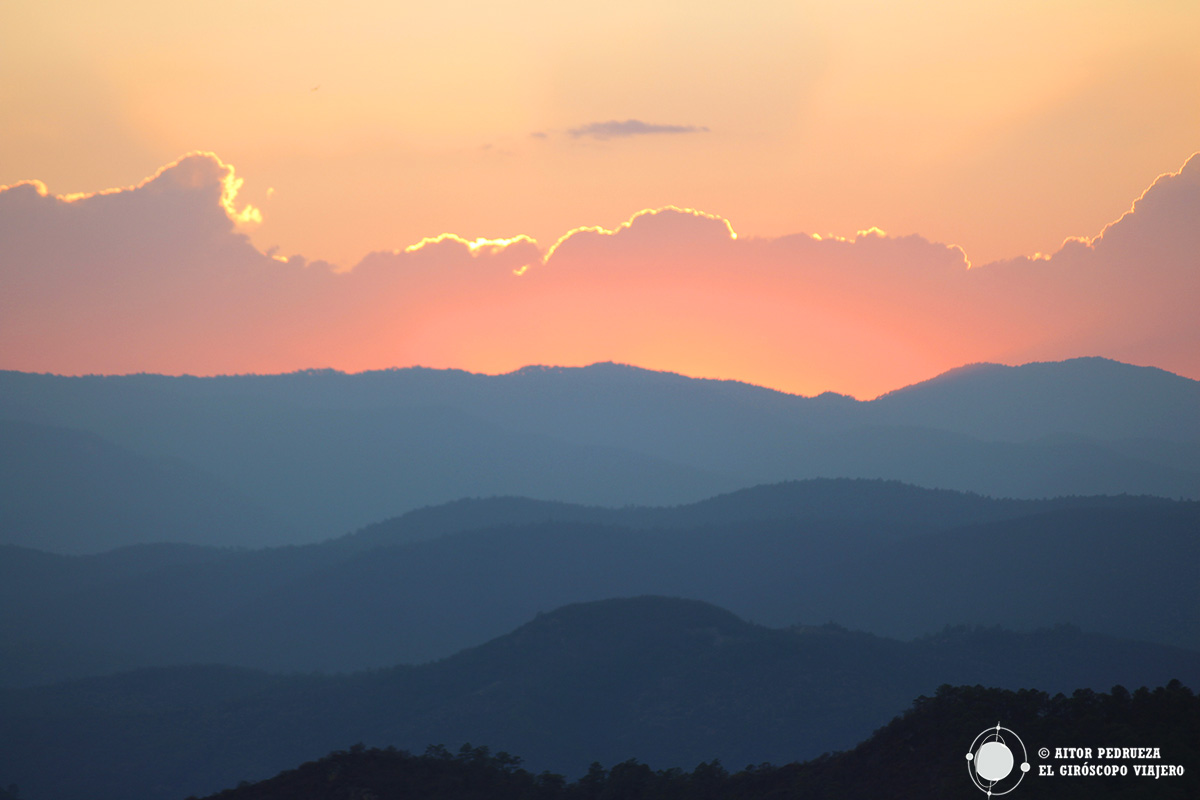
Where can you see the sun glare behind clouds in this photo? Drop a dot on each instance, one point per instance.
(480, 132)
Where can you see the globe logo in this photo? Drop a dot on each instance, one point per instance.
(991, 759)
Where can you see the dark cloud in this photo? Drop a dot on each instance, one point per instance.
(614, 129)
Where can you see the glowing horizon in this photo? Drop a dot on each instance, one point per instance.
(669, 289)
(809, 196)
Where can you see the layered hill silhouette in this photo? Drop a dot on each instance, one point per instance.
(319, 453)
(884, 557)
(908, 759)
(67, 490)
(667, 681)
(120, 498)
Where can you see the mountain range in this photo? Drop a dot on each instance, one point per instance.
(208, 580)
(667, 681)
(286, 459)
(910, 758)
(891, 559)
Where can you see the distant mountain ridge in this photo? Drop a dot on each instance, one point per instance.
(885, 557)
(65, 490)
(671, 682)
(1079, 397)
(858, 500)
(322, 452)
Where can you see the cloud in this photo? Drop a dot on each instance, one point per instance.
(449, 251)
(614, 129)
(170, 218)
(1131, 291)
(160, 277)
(653, 228)
(1161, 224)
(95, 282)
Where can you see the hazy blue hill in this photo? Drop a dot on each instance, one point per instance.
(1128, 573)
(886, 503)
(32, 660)
(74, 492)
(852, 501)
(889, 558)
(726, 426)
(474, 513)
(671, 682)
(150, 616)
(1123, 566)
(35, 576)
(328, 452)
(1090, 397)
(1050, 466)
(329, 464)
(33, 582)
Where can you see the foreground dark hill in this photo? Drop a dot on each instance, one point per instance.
(328, 452)
(891, 559)
(911, 758)
(671, 682)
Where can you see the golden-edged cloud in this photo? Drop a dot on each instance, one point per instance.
(159, 277)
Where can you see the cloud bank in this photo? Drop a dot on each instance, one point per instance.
(160, 277)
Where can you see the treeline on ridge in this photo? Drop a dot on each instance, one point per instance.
(918, 755)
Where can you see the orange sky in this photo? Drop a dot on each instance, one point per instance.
(1001, 128)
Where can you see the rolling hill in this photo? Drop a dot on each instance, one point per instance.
(891, 559)
(323, 452)
(667, 681)
(1131, 575)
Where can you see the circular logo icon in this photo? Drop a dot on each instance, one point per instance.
(992, 758)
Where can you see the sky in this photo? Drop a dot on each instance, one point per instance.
(811, 196)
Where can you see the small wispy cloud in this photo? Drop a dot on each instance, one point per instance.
(631, 127)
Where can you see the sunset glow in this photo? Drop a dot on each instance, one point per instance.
(913, 186)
